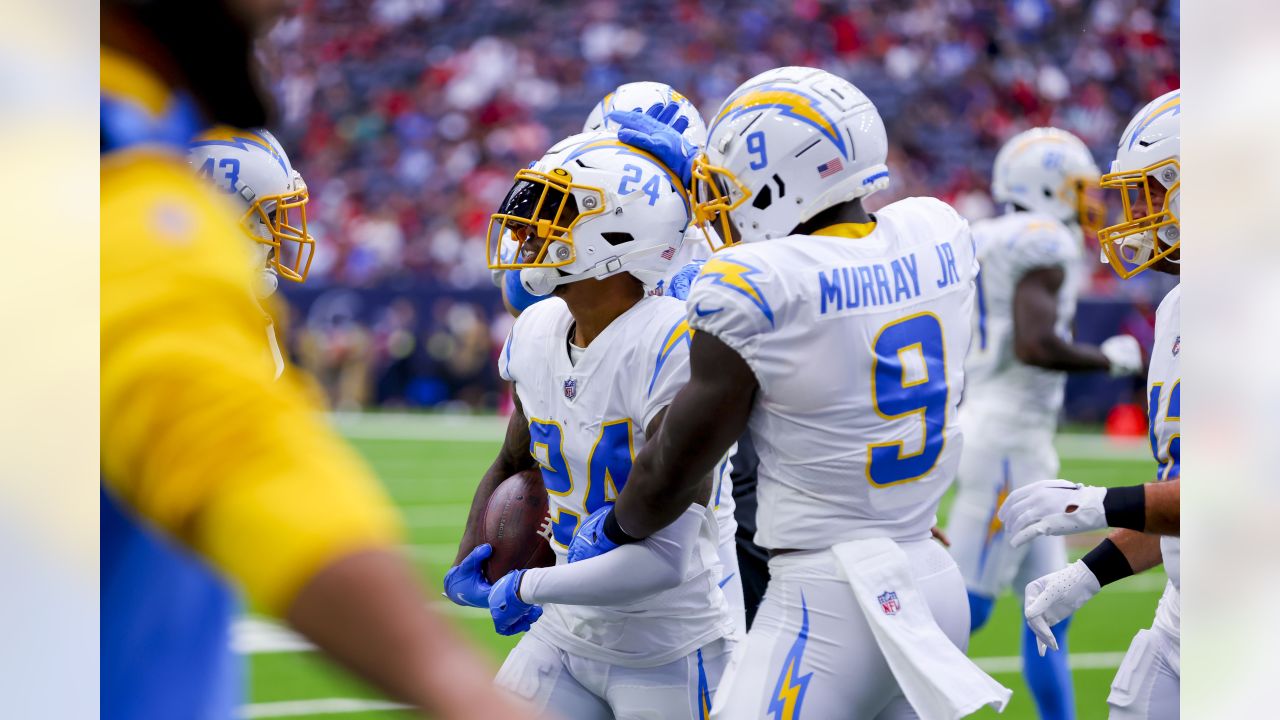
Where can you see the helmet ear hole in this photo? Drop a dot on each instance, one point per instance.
(617, 238)
(764, 198)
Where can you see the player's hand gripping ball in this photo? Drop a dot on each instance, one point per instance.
(465, 583)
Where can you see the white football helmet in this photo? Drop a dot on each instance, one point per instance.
(1148, 153)
(786, 145)
(590, 208)
(641, 96)
(1050, 171)
(251, 166)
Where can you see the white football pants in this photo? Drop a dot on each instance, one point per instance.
(810, 647)
(571, 687)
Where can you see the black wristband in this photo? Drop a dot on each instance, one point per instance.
(1126, 507)
(1107, 563)
(614, 532)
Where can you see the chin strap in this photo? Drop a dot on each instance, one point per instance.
(544, 280)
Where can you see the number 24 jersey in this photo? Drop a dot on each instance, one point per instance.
(586, 423)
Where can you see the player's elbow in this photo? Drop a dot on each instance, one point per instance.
(1035, 350)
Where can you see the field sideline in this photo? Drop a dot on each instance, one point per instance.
(429, 465)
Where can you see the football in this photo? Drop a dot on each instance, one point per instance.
(513, 525)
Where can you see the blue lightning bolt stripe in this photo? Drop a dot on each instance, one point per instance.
(793, 103)
(735, 275)
(1173, 104)
(239, 139)
(788, 694)
(678, 332)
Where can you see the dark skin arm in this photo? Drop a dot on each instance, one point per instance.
(700, 425)
(512, 458)
(1035, 312)
(1164, 507)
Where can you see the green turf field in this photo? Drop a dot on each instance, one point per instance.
(430, 466)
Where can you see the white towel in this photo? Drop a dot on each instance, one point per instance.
(939, 680)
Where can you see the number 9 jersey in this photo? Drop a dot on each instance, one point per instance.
(857, 335)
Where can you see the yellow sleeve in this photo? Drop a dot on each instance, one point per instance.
(196, 436)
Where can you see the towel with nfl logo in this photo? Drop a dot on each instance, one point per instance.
(939, 680)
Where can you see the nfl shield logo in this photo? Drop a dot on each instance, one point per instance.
(571, 388)
(1177, 345)
(889, 602)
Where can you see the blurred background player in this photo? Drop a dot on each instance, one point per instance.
(865, 616)
(1015, 375)
(1147, 174)
(215, 477)
(252, 168)
(593, 368)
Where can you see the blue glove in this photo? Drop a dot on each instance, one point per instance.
(517, 297)
(465, 584)
(511, 615)
(678, 288)
(590, 539)
(651, 132)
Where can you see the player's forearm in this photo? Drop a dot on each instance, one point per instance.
(512, 458)
(390, 637)
(701, 424)
(1164, 507)
(1142, 550)
(624, 576)
(1053, 353)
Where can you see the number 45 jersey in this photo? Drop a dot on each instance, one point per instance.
(586, 422)
(857, 335)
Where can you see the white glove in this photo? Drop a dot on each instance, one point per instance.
(1124, 353)
(1050, 599)
(1052, 507)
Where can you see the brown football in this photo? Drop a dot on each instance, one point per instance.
(512, 523)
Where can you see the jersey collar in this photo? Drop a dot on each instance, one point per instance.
(847, 230)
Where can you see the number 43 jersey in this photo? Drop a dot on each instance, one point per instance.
(586, 422)
(857, 335)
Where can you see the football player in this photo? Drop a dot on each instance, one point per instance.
(838, 338)
(1015, 374)
(215, 478)
(697, 247)
(252, 168)
(594, 368)
(1147, 174)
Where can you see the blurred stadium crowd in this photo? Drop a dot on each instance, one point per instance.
(408, 117)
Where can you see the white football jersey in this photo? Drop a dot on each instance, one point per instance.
(1164, 408)
(997, 384)
(586, 423)
(858, 345)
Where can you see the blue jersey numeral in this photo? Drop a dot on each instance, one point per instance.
(918, 341)
(608, 467)
(1169, 462)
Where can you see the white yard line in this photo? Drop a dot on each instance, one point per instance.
(327, 706)
(490, 428)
